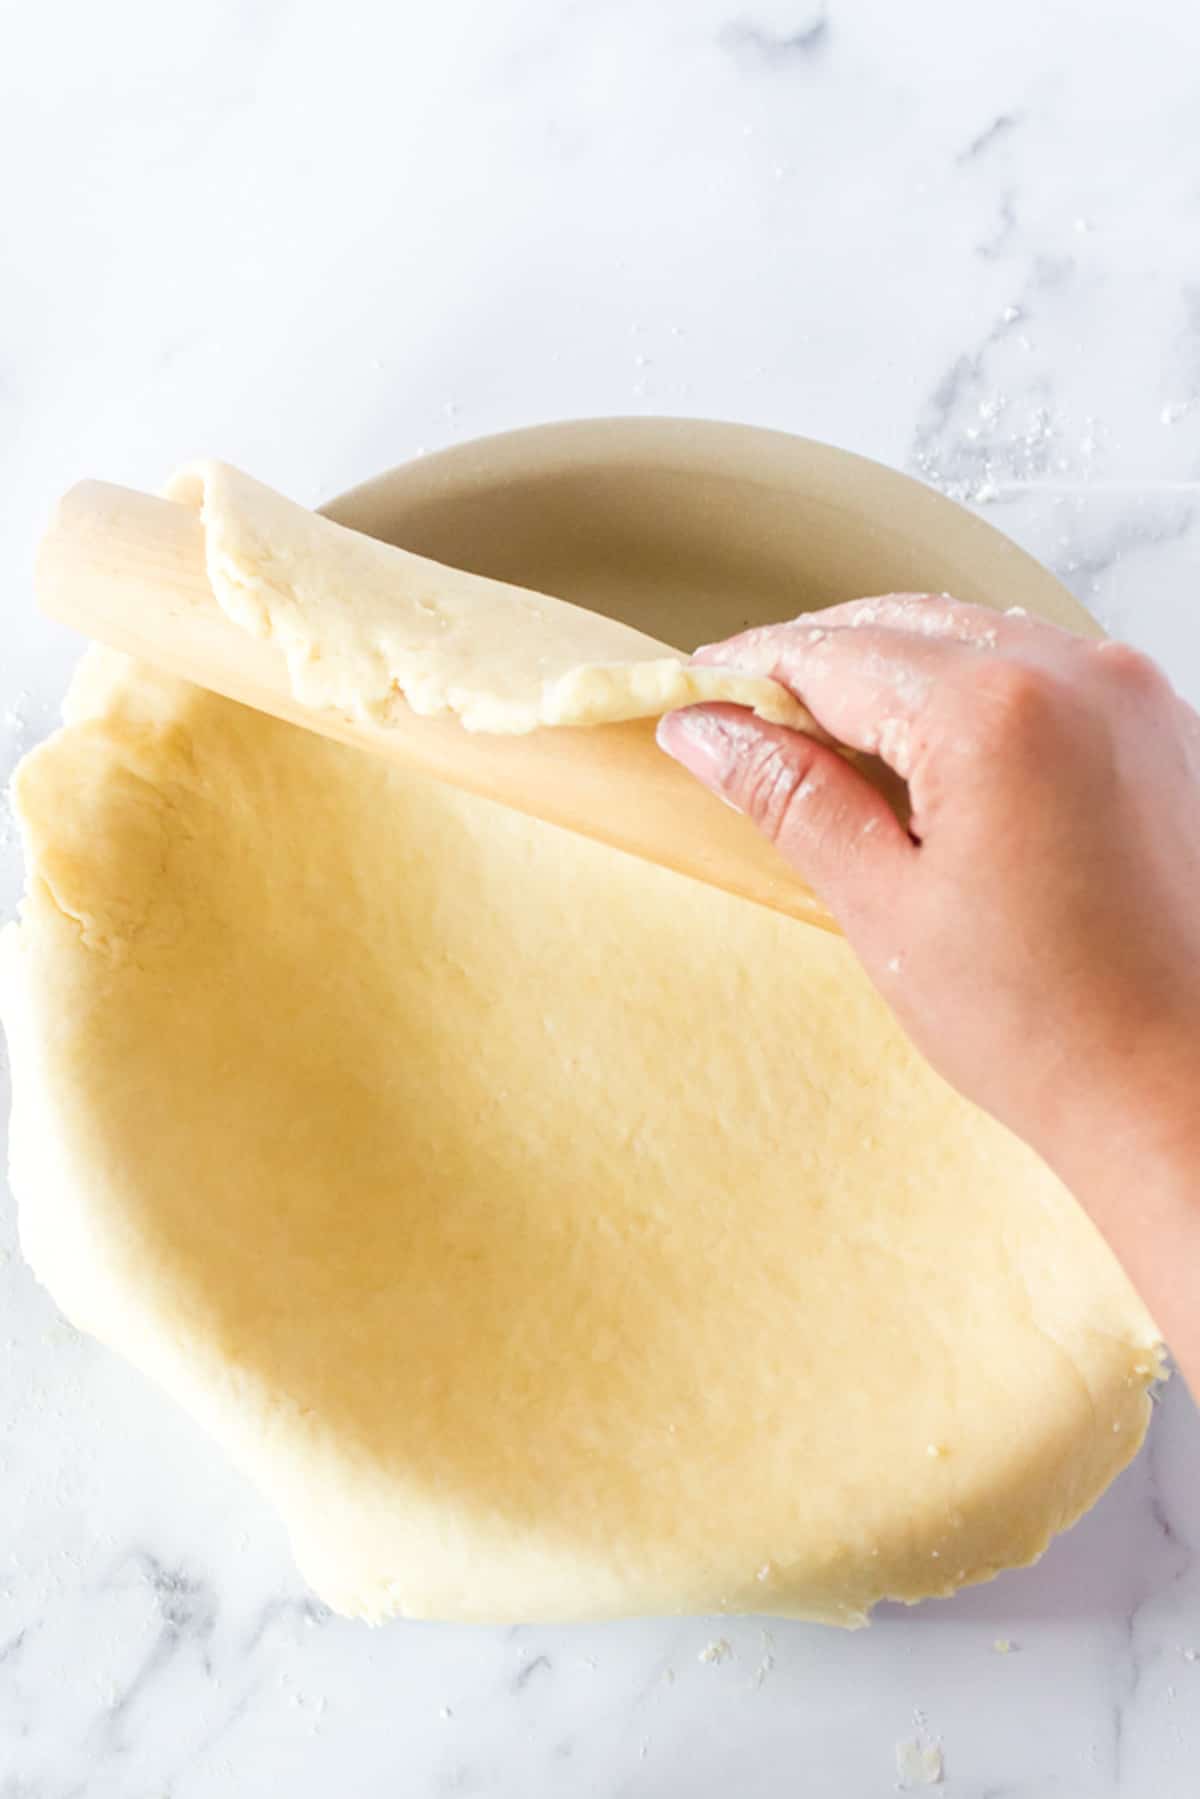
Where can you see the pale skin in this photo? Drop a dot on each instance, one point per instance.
(1036, 928)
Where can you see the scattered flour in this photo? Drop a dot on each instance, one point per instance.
(895, 745)
(919, 1765)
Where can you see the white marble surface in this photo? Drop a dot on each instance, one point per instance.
(314, 239)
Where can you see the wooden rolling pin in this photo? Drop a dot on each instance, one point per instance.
(129, 569)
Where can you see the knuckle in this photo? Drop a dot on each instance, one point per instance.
(1129, 668)
(1011, 703)
(775, 789)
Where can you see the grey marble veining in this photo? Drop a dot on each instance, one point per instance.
(960, 239)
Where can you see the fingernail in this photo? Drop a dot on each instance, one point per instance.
(704, 741)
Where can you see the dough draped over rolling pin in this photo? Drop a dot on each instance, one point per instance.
(365, 626)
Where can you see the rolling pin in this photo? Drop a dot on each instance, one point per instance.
(128, 569)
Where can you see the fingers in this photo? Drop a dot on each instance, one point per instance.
(940, 615)
(867, 686)
(867, 669)
(924, 614)
(822, 815)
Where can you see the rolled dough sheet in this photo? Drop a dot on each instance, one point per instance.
(547, 1234)
(366, 627)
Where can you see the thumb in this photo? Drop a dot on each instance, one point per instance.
(820, 812)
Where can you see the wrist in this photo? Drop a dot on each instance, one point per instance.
(1139, 1120)
(1132, 1161)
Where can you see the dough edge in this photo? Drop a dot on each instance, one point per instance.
(365, 625)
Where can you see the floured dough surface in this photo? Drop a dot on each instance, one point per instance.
(548, 1235)
(366, 627)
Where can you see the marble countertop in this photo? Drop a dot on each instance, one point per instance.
(316, 240)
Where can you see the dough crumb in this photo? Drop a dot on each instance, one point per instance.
(919, 1765)
(933, 1449)
(764, 1573)
(719, 1650)
(1005, 1646)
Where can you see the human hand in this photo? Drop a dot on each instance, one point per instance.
(1037, 929)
